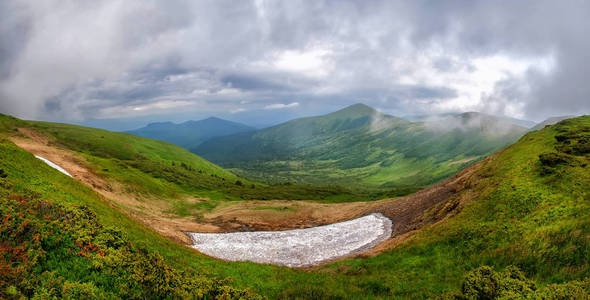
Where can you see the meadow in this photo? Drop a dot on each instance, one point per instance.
(527, 207)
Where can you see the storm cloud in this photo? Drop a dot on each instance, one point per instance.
(86, 60)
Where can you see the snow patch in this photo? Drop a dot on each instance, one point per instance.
(299, 247)
(51, 164)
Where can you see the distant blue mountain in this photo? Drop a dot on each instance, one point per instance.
(190, 134)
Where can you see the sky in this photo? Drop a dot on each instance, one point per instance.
(122, 64)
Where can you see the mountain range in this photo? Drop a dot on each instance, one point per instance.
(190, 134)
(359, 144)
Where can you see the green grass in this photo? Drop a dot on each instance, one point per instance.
(347, 148)
(54, 267)
(521, 217)
(526, 212)
(159, 169)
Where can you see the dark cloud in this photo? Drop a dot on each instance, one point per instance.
(89, 60)
(250, 82)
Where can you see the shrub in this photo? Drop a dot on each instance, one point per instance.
(82, 291)
(570, 290)
(482, 283)
(44, 244)
(485, 283)
(553, 159)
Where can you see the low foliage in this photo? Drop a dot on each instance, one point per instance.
(53, 250)
(485, 283)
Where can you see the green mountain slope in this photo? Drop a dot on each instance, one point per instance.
(526, 206)
(549, 121)
(190, 134)
(61, 240)
(360, 143)
(153, 169)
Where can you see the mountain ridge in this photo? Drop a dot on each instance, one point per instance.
(360, 142)
(190, 134)
(549, 121)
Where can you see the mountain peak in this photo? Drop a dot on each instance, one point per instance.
(355, 111)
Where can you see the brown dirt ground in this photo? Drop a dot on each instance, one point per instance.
(409, 214)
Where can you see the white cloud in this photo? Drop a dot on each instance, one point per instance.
(74, 59)
(281, 106)
(237, 110)
(473, 79)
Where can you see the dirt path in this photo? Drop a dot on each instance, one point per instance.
(408, 214)
(150, 212)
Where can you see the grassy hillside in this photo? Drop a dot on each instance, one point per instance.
(160, 169)
(58, 238)
(529, 207)
(190, 134)
(361, 146)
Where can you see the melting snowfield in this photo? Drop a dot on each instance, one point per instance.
(51, 164)
(299, 247)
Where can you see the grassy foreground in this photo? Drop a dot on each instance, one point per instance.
(528, 207)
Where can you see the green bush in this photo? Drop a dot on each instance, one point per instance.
(484, 283)
(553, 159)
(51, 250)
(81, 291)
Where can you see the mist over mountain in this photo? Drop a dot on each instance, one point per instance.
(550, 121)
(486, 124)
(437, 117)
(190, 134)
(361, 142)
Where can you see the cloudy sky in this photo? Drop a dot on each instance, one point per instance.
(119, 64)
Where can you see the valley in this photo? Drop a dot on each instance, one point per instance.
(294, 150)
(362, 147)
(173, 214)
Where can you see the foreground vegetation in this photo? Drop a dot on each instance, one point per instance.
(485, 283)
(528, 207)
(53, 244)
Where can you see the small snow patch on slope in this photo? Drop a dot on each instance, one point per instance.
(51, 164)
(299, 247)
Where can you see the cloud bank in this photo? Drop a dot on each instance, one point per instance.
(81, 60)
